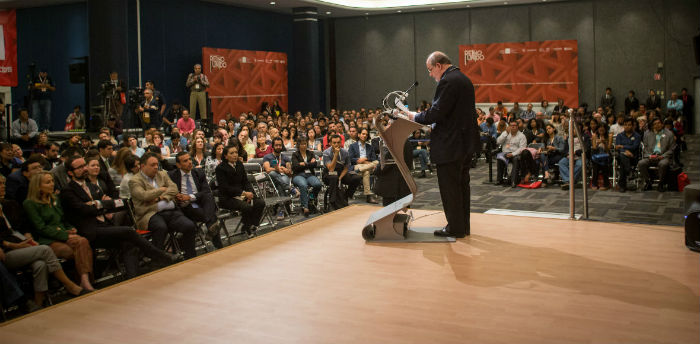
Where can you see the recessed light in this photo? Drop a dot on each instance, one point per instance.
(272, 2)
(399, 11)
(468, 6)
(366, 13)
(432, 8)
(505, 2)
(328, 12)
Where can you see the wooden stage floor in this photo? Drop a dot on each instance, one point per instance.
(515, 280)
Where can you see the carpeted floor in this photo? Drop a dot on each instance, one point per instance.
(650, 207)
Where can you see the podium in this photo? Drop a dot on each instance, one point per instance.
(393, 222)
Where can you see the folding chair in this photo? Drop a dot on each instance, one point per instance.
(171, 243)
(265, 188)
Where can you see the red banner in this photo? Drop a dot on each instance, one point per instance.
(522, 71)
(8, 48)
(241, 80)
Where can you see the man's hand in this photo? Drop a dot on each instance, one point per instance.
(2, 255)
(336, 151)
(106, 198)
(248, 195)
(509, 155)
(361, 160)
(629, 154)
(72, 231)
(25, 137)
(163, 188)
(618, 147)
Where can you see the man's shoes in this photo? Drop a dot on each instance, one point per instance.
(212, 231)
(622, 188)
(565, 186)
(661, 187)
(444, 232)
(422, 175)
(647, 186)
(372, 199)
(280, 215)
(498, 182)
(306, 212)
(294, 192)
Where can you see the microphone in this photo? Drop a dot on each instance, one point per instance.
(404, 95)
(415, 83)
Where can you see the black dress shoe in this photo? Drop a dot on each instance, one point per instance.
(443, 233)
(422, 175)
(372, 199)
(647, 186)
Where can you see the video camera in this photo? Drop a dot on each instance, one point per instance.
(135, 96)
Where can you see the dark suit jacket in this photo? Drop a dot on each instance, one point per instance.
(83, 216)
(200, 181)
(17, 186)
(653, 104)
(354, 151)
(453, 111)
(107, 179)
(296, 159)
(17, 218)
(232, 182)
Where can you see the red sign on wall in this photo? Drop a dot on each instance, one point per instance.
(8, 48)
(241, 80)
(522, 71)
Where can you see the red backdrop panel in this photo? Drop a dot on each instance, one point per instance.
(522, 71)
(8, 48)
(241, 80)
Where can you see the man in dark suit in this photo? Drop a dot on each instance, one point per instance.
(93, 212)
(195, 197)
(18, 181)
(106, 149)
(453, 140)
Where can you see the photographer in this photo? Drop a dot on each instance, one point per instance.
(197, 83)
(149, 110)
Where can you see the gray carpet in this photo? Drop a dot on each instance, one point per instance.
(648, 207)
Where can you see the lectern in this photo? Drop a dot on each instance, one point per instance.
(393, 223)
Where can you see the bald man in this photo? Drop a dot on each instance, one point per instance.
(454, 139)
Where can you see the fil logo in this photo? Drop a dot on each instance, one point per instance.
(473, 55)
(216, 62)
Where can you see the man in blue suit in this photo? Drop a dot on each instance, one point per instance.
(453, 141)
(364, 162)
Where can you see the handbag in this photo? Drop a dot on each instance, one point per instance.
(601, 158)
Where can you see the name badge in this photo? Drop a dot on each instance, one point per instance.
(307, 171)
(333, 173)
(196, 87)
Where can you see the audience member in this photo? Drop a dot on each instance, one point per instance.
(419, 149)
(235, 191)
(601, 142)
(132, 166)
(513, 143)
(46, 215)
(658, 151)
(24, 130)
(364, 162)
(154, 195)
(195, 198)
(552, 152)
(303, 165)
(336, 161)
(197, 83)
(7, 164)
(18, 181)
(627, 144)
(564, 164)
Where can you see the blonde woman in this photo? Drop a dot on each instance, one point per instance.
(45, 212)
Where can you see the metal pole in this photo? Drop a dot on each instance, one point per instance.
(572, 201)
(138, 36)
(584, 181)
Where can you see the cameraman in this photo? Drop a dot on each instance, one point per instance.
(114, 89)
(171, 117)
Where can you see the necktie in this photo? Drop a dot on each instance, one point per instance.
(101, 218)
(190, 191)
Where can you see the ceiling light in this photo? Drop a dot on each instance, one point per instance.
(328, 12)
(468, 6)
(272, 2)
(399, 11)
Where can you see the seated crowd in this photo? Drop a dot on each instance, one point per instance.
(537, 143)
(149, 196)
